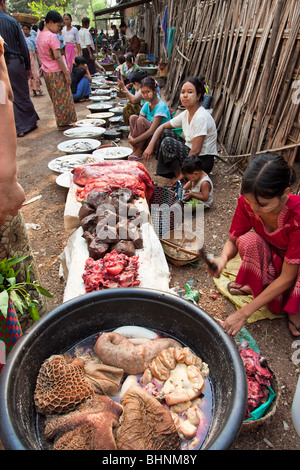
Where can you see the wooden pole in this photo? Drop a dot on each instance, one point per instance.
(266, 76)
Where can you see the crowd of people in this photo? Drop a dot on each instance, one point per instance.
(265, 228)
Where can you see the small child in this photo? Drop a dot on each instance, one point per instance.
(81, 79)
(199, 188)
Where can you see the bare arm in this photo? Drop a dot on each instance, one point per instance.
(11, 193)
(146, 135)
(62, 65)
(154, 140)
(197, 145)
(203, 195)
(283, 283)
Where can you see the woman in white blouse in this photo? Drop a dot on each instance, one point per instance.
(199, 134)
(71, 40)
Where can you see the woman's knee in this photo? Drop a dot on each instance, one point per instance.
(249, 242)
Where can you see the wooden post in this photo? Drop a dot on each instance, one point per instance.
(266, 77)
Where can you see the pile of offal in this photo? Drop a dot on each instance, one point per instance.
(128, 389)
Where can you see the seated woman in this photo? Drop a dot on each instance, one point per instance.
(265, 231)
(135, 99)
(153, 113)
(81, 79)
(199, 134)
(199, 188)
(128, 68)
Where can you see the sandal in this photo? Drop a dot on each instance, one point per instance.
(236, 289)
(134, 157)
(21, 134)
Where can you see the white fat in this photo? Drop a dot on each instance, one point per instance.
(128, 382)
(131, 331)
(137, 341)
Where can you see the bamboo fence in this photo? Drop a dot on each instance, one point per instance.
(248, 51)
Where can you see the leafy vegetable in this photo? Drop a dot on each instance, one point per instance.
(17, 292)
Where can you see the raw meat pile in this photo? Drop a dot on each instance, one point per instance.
(114, 270)
(258, 377)
(111, 175)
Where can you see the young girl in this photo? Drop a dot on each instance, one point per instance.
(81, 79)
(55, 71)
(153, 113)
(71, 39)
(199, 188)
(34, 81)
(265, 231)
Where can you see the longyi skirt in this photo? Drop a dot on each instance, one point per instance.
(61, 97)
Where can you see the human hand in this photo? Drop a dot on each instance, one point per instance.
(235, 322)
(220, 263)
(148, 153)
(12, 198)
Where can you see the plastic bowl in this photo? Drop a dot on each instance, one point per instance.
(65, 326)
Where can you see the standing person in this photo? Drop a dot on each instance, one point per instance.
(11, 193)
(18, 66)
(153, 113)
(71, 40)
(86, 45)
(34, 81)
(199, 134)
(55, 71)
(265, 231)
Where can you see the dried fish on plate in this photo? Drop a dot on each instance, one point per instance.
(113, 152)
(67, 163)
(87, 131)
(79, 145)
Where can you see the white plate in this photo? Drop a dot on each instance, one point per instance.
(100, 92)
(77, 145)
(113, 153)
(86, 131)
(100, 115)
(69, 162)
(101, 98)
(117, 110)
(103, 106)
(64, 179)
(90, 122)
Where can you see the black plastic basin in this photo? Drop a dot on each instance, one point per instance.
(62, 328)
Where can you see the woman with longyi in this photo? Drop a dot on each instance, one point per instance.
(265, 231)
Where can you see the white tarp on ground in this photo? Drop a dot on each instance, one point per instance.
(153, 267)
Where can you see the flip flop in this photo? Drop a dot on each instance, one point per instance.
(236, 289)
(134, 157)
(297, 328)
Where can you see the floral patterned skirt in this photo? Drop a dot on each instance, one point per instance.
(61, 97)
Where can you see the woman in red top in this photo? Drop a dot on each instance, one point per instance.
(265, 231)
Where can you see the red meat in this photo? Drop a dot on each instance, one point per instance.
(114, 270)
(112, 182)
(86, 174)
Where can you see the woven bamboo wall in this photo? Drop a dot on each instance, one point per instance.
(248, 51)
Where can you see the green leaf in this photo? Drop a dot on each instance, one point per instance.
(17, 301)
(33, 312)
(42, 290)
(28, 273)
(15, 260)
(4, 298)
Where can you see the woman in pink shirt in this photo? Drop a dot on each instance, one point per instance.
(55, 71)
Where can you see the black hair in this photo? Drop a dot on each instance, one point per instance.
(149, 82)
(53, 16)
(68, 14)
(138, 76)
(79, 60)
(34, 27)
(191, 164)
(267, 176)
(129, 58)
(85, 21)
(199, 85)
(121, 59)
(122, 25)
